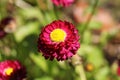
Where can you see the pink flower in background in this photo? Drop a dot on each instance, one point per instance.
(7, 25)
(62, 2)
(118, 69)
(12, 70)
(59, 40)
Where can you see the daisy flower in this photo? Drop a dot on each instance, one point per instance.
(59, 40)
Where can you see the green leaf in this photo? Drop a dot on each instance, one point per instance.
(95, 25)
(44, 78)
(34, 13)
(25, 31)
(93, 54)
(87, 37)
(102, 74)
(39, 61)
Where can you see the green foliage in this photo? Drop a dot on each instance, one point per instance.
(22, 44)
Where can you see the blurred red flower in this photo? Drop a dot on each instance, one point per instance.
(118, 69)
(12, 70)
(62, 2)
(7, 25)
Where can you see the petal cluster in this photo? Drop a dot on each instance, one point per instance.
(62, 2)
(12, 70)
(58, 50)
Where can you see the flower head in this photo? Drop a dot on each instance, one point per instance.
(58, 40)
(62, 2)
(7, 25)
(12, 70)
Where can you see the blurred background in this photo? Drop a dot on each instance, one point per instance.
(99, 28)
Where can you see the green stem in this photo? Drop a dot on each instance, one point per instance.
(89, 19)
(69, 70)
(76, 61)
(80, 70)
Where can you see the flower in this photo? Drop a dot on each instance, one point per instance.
(62, 2)
(118, 69)
(59, 40)
(12, 70)
(8, 24)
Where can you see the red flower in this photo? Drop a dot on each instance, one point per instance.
(58, 40)
(118, 69)
(7, 25)
(62, 2)
(12, 70)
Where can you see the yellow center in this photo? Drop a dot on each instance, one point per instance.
(58, 35)
(8, 71)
